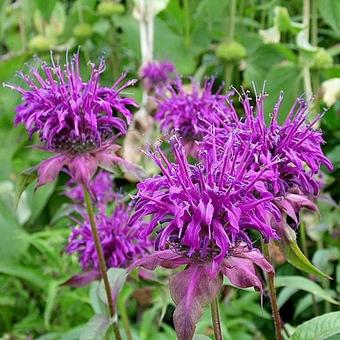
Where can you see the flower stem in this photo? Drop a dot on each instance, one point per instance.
(125, 318)
(215, 316)
(232, 20)
(272, 294)
(306, 70)
(100, 254)
(229, 67)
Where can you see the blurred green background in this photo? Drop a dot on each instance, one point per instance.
(292, 45)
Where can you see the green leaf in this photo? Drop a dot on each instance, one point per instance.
(330, 13)
(285, 295)
(96, 328)
(52, 292)
(286, 77)
(24, 180)
(45, 7)
(302, 283)
(117, 277)
(304, 303)
(13, 241)
(38, 199)
(318, 328)
(31, 275)
(296, 258)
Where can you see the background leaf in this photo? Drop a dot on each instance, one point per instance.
(318, 328)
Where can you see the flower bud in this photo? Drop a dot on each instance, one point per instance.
(322, 59)
(82, 31)
(230, 52)
(41, 43)
(108, 8)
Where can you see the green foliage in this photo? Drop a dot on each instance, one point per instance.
(271, 46)
(319, 328)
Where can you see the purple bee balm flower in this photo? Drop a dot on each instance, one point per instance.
(120, 242)
(205, 208)
(190, 112)
(100, 188)
(295, 142)
(78, 121)
(156, 74)
(201, 214)
(197, 285)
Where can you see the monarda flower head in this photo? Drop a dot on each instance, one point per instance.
(156, 74)
(77, 120)
(295, 143)
(120, 242)
(189, 112)
(201, 215)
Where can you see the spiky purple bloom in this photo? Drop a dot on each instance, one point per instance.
(201, 215)
(206, 208)
(190, 112)
(78, 121)
(121, 243)
(295, 142)
(156, 74)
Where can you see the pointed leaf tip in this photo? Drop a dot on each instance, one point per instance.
(296, 258)
(25, 179)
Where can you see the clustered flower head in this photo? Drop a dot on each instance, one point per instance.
(156, 74)
(189, 112)
(78, 121)
(293, 149)
(201, 215)
(207, 208)
(120, 242)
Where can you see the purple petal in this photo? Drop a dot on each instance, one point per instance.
(191, 290)
(163, 258)
(82, 279)
(82, 168)
(49, 169)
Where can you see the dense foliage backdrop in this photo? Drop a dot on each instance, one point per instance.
(258, 41)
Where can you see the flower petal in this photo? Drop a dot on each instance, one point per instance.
(49, 169)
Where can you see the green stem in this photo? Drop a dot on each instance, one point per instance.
(215, 316)
(229, 68)
(314, 23)
(272, 294)
(100, 254)
(114, 56)
(232, 20)
(306, 70)
(314, 41)
(187, 23)
(230, 38)
(125, 318)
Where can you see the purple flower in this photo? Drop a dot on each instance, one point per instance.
(293, 149)
(156, 74)
(120, 242)
(206, 208)
(100, 187)
(78, 121)
(201, 215)
(197, 285)
(190, 112)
